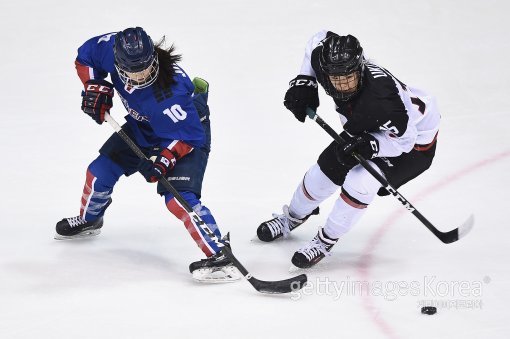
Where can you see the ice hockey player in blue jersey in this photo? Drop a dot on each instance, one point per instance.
(392, 125)
(168, 118)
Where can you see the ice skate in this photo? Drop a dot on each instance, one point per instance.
(315, 251)
(215, 269)
(280, 225)
(77, 228)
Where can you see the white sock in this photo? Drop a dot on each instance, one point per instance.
(358, 191)
(342, 218)
(311, 192)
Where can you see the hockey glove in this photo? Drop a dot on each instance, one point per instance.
(153, 171)
(364, 144)
(302, 93)
(97, 99)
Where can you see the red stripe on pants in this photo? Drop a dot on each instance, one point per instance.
(177, 210)
(87, 190)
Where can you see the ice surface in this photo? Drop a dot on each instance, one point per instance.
(132, 281)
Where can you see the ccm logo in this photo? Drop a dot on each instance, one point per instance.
(303, 82)
(374, 146)
(404, 202)
(99, 88)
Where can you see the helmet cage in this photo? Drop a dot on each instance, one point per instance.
(140, 79)
(332, 91)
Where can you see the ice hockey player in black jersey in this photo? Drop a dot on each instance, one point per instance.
(384, 120)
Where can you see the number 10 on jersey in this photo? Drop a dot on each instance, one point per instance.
(176, 113)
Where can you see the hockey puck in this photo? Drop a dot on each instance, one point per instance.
(428, 310)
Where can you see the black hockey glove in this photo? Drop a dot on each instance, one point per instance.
(97, 99)
(302, 93)
(364, 144)
(153, 171)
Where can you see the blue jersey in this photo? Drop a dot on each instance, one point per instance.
(157, 117)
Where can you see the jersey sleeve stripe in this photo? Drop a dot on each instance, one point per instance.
(423, 148)
(84, 72)
(179, 148)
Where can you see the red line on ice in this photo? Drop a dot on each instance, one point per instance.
(365, 262)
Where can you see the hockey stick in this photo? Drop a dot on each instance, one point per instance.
(279, 286)
(446, 237)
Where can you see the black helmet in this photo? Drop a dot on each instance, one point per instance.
(136, 59)
(341, 55)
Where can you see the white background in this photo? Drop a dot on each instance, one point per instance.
(132, 281)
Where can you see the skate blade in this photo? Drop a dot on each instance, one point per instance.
(82, 235)
(214, 275)
(294, 269)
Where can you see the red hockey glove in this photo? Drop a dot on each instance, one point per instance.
(153, 171)
(97, 99)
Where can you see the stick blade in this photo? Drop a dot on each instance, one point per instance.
(280, 286)
(459, 232)
(467, 226)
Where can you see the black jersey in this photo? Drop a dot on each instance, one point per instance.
(397, 115)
